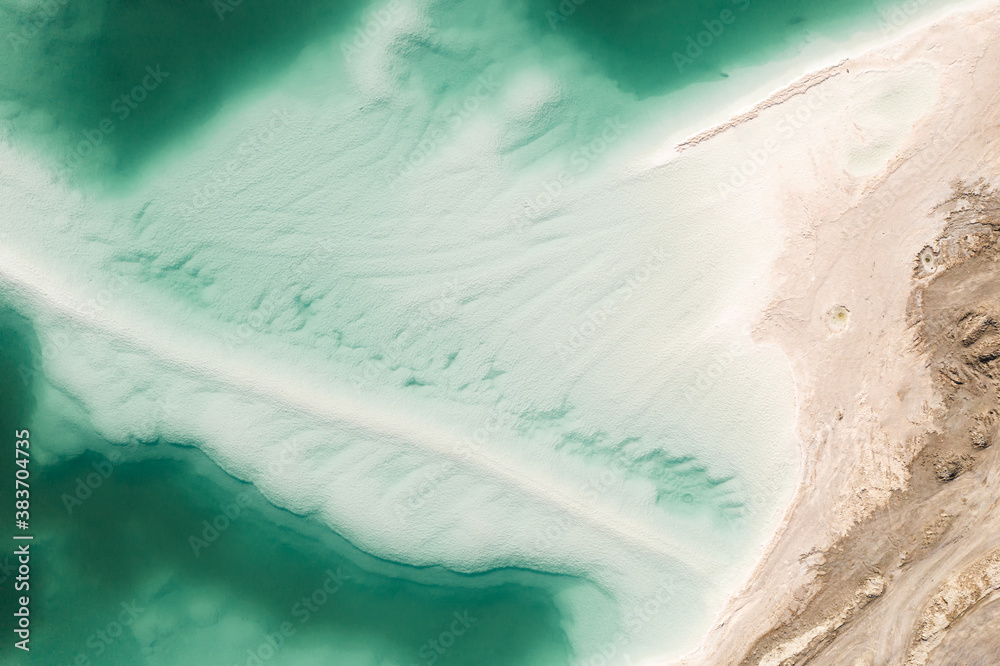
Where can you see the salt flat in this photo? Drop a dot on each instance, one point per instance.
(489, 308)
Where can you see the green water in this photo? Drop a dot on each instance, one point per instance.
(126, 78)
(101, 87)
(126, 571)
(651, 48)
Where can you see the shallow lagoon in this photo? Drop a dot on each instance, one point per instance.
(186, 261)
(171, 561)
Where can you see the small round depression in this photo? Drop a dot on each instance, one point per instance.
(837, 318)
(928, 262)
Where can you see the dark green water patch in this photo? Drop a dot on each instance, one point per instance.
(198, 568)
(171, 561)
(18, 354)
(100, 85)
(168, 560)
(18, 351)
(659, 46)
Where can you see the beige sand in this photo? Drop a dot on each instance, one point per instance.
(887, 304)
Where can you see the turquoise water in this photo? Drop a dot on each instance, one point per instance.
(126, 571)
(652, 48)
(259, 212)
(79, 109)
(97, 53)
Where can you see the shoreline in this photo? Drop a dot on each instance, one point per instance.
(782, 516)
(784, 78)
(718, 644)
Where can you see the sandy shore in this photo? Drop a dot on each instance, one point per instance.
(889, 549)
(887, 205)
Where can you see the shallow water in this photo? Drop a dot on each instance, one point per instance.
(652, 48)
(116, 93)
(337, 247)
(171, 561)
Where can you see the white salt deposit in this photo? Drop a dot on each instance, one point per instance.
(462, 327)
